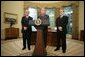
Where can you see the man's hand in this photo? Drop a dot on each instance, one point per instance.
(60, 28)
(25, 28)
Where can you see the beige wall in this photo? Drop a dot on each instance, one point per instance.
(15, 7)
(81, 16)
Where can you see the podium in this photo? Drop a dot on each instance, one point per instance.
(39, 49)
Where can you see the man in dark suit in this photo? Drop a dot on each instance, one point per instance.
(26, 30)
(61, 23)
(43, 17)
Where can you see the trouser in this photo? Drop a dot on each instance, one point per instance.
(26, 39)
(61, 40)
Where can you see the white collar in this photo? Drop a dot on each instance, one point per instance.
(61, 16)
(27, 16)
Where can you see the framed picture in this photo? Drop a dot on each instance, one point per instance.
(10, 17)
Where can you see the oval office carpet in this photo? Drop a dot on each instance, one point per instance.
(13, 48)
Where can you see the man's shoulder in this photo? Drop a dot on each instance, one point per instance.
(30, 17)
(47, 15)
(65, 16)
(23, 17)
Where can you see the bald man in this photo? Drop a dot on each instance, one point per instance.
(26, 30)
(43, 17)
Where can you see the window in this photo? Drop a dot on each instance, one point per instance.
(68, 12)
(33, 14)
(51, 13)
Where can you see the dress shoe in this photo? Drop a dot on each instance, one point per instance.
(64, 51)
(56, 49)
(23, 48)
(28, 48)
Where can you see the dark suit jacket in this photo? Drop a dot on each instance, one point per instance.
(62, 22)
(25, 23)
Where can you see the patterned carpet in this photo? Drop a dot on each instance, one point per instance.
(13, 48)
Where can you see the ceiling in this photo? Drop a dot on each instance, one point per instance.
(45, 1)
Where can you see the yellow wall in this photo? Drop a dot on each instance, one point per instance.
(81, 16)
(15, 7)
